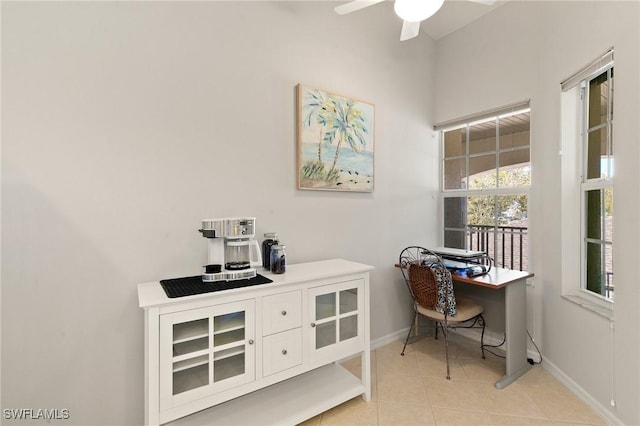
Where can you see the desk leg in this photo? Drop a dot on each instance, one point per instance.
(515, 305)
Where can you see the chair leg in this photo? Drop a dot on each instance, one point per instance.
(482, 336)
(413, 323)
(446, 348)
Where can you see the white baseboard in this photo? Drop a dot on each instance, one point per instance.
(489, 337)
(602, 410)
(389, 338)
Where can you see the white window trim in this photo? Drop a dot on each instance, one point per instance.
(490, 115)
(573, 188)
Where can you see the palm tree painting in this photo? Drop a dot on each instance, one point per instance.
(335, 141)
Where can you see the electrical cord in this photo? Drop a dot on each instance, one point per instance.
(530, 360)
(504, 339)
(485, 346)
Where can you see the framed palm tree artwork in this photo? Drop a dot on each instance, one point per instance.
(335, 141)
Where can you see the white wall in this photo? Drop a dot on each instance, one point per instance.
(521, 51)
(125, 124)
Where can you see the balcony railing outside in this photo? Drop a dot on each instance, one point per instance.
(512, 244)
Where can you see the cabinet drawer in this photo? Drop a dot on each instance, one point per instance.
(281, 312)
(281, 351)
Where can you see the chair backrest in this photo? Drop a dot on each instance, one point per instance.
(423, 285)
(428, 279)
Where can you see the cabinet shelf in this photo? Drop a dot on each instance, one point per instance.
(190, 346)
(190, 378)
(283, 403)
(190, 355)
(228, 322)
(229, 329)
(185, 364)
(228, 353)
(191, 330)
(230, 337)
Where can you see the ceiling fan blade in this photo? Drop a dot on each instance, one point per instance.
(487, 2)
(352, 6)
(409, 30)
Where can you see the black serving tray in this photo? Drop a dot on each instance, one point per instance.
(189, 286)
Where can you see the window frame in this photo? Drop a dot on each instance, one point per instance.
(600, 183)
(496, 192)
(572, 122)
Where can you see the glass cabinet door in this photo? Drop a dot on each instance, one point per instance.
(190, 355)
(337, 317)
(208, 350)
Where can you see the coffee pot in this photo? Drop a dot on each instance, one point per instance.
(232, 253)
(241, 253)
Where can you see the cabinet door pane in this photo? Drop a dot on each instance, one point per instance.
(228, 363)
(325, 306)
(348, 327)
(190, 330)
(190, 336)
(185, 348)
(349, 300)
(227, 337)
(188, 378)
(325, 334)
(228, 328)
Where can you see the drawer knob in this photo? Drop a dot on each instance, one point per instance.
(284, 352)
(283, 313)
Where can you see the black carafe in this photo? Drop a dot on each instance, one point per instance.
(270, 239)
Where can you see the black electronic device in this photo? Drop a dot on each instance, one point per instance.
(465, 262)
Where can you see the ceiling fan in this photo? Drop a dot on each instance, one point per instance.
(412, 12)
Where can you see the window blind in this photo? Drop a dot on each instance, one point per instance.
(594, 67)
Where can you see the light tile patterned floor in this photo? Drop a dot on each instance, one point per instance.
(412, 390)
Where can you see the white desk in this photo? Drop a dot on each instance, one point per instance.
(515, 307)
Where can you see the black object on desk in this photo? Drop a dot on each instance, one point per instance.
(189, 286)
(465, 262)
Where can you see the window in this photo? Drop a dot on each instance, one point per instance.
(597, 186)
(485, 184)
(588, 131)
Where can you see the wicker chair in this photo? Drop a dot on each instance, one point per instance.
(431, 288)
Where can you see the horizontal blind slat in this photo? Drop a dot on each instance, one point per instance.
(507, 109)
(594, 67)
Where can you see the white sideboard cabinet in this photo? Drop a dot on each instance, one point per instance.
(265, 354)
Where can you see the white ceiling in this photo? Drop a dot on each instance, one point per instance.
(454, 15)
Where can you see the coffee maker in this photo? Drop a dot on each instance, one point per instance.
(233, 254)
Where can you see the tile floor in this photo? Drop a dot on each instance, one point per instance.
(412, 390)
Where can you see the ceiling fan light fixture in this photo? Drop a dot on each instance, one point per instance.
(416, 10)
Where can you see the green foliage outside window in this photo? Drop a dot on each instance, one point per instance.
(482, 210)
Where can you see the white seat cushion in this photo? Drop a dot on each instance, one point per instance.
(467, 309)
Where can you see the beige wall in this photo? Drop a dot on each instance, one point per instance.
(523, 50)
(124, 124)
